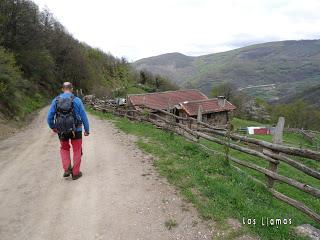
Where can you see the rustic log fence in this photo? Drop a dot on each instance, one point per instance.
(309, 135)
(274, 153)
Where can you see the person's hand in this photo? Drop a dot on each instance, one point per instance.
(55, 130)
(86, 134)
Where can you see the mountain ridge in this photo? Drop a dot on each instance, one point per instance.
(291, 65)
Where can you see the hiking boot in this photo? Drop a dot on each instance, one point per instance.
(75, 177)
(68, 172)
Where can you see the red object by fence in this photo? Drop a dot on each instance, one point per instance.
(262, 131)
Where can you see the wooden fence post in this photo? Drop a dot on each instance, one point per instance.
(199, 117)
(227, 146)
(277, 139)
(189, 122)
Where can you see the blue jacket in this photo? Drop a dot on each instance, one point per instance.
(78, 110)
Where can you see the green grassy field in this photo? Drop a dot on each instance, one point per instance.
(240, 123)
(135, 90)
(217, 190)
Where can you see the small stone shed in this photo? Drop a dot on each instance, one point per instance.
(163, 100)
(214, 111)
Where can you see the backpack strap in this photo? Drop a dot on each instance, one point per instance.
(73, 112)
(72, 101)
(57, 100)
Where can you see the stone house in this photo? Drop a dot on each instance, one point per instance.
(214, 111)
(184, 103)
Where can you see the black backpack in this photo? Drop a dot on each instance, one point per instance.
(65, 119)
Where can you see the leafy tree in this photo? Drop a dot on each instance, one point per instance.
(10, 80)
(237, 98)
(48, 55)
(298, 114)
(227, 90)
(155, 83)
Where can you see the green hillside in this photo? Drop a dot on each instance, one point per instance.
(311, 96)
(292, 66)
(37, 54)
(176, 66)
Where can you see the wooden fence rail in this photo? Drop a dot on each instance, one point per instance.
(308, 135)
(274, 152)
(308, 153)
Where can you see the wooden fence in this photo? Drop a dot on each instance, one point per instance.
(309, 135)
(274, 153)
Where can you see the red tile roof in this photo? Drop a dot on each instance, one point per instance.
(208, 106)
(164, 100)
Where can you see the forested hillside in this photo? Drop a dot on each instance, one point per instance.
(291, 65)
(37, 54)
(311, 96)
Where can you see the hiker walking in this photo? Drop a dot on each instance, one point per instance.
(66, 117)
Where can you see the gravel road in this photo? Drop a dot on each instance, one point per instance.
(120, 195)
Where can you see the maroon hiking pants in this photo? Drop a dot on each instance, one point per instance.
(65, 153)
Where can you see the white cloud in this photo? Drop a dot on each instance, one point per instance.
(143, 28)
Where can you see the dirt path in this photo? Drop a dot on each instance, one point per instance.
(119, 197)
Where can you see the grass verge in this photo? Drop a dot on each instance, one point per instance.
(22, 115)
(30, 104)
(218, 192)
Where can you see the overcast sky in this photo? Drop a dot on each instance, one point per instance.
(142, 28)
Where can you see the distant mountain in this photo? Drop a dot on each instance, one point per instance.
(176, 66)
(292, 66)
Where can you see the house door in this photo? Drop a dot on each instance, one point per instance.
(176, 112)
